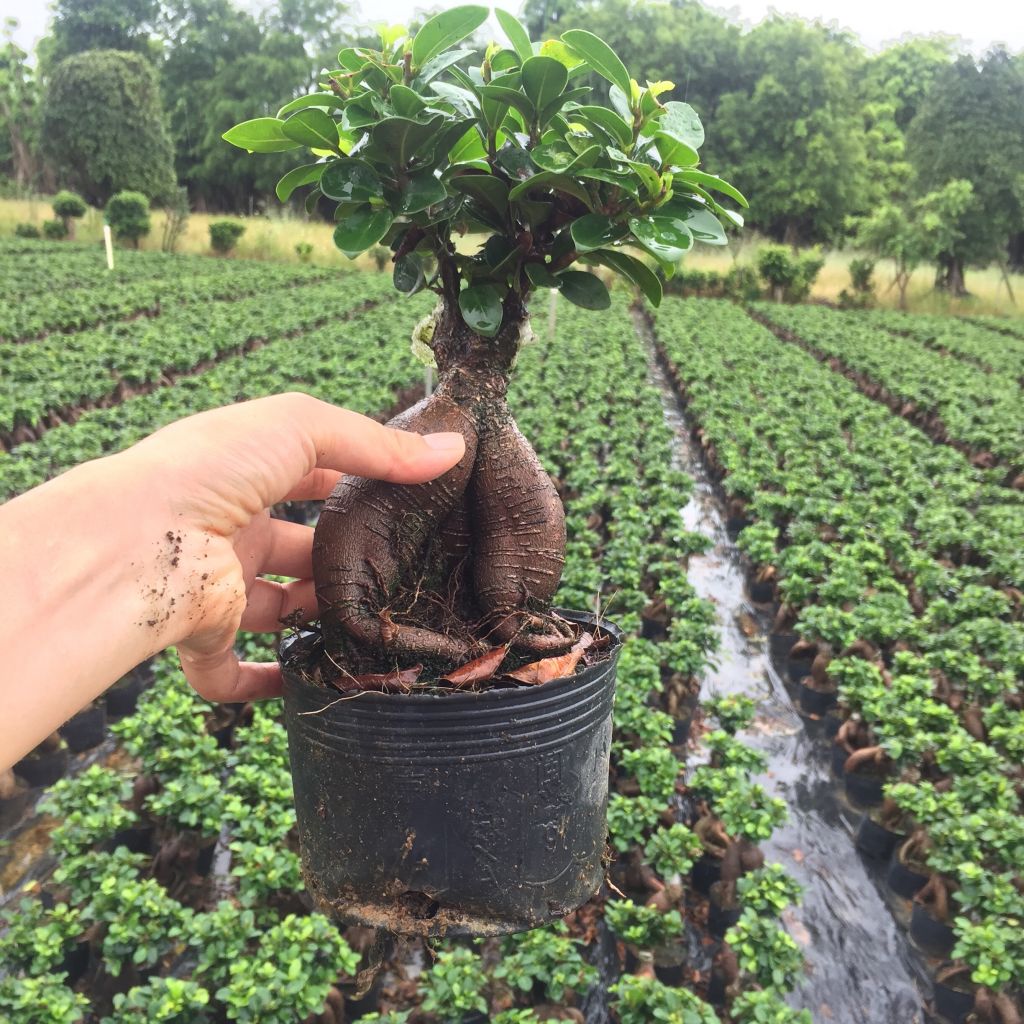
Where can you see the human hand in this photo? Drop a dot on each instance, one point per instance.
(219, 473)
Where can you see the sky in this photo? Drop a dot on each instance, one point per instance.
(979, 24)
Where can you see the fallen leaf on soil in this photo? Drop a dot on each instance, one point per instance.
(553, 668)
(396, 681)
(479, 669)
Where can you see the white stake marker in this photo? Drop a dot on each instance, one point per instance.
(110, 246)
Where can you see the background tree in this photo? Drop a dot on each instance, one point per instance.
(971, 126)
(103, 126)
(127, 213)
(792, 132)
(82, 25)
(18, 110)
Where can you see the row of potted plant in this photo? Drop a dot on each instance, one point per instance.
(852, 515)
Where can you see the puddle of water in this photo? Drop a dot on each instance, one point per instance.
(860, 965)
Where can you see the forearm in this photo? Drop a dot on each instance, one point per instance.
(83, 601)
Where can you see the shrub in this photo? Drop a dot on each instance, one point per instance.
(36, 940)
(304, 250)
(144, 923)
(219, 938)
(26, 231)
(68, 206)
(647, 1001)
(455, 985)
(176, 220)
(224, 235)
(643, 927)
(764, 951)
(788, 276)
(42, 1000)
(673, 850)
(127, 213)
(548, 957)
(766, 1007)
(863, 293)
(161, 1001)
(381, 257)
(768, 890)
(90, 807)
(54, 230)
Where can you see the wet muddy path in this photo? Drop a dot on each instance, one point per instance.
(861, 967)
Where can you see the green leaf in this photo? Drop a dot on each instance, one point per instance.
(713, 182)
(544, 80)
(675, 153)
(607, 119)
(408, 274)
(594, 230)
(313, 128)
(648, 175)
(261, 135)
(517, 35)
(705, 227)
(557, 49)
(584, 289)
(481, 309)
(440, 63)
(666, 238)
(444, 30)
(296, 177)
(350, 181)
(599, 56)
(491, 191)
(509, 98)
(623, 180)
(397, 139)
(540, 276)
(680, 122)
(561, 158)
(420, 191)
(556, 182)
(405, 101)
(632, 270)
(468, 149)
(316, 99)
(364, 226)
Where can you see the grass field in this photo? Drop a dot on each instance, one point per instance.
(275, 238)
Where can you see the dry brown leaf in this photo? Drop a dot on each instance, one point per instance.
(479, 669)
(546, 669)
(396, 681)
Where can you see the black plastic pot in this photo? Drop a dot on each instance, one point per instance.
(814, 701)
(838, 757)
(137, 839)
(705, 872)
(798, 668)
(75, 963)
(122, 697)
(761, 592)
(43, 768)
(831, 722)
(720, 919)
(902, 880)
(864, 790)
(932, 936)
(462, 814)
(85, 730)
(874, 840)
(780, 645)
(953, 1004)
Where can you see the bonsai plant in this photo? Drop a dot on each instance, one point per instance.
(224, 235)
(447, 586)
(413, 149)
(69, 206)
(127, 213)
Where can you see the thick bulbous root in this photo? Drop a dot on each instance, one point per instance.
(483, 545)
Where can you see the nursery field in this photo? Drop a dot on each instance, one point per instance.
(870, 468)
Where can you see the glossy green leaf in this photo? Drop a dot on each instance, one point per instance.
(666, 238)
(485, 188)
(551, 180)
(712, 181)
(440, 63)
(561, 158)
(405, 101)
(508, 97)
(557, 49)
(517, 35)
(675, 153)
(363, 227)
(398, 139)
(648, 175)
(608, 120)
(420, 191)
(544, 80)
(468, 149)
(316, 99)
(445, 30)
(599, 56)
(314, 128)
(705, 227)
(408, 274)
(350, 181)
(624, 180)
(632, 270)
(680, 122)
(540, 276)
(297, 177)
(261, 135)
(583, 289)
(481, 309)
(594, 230)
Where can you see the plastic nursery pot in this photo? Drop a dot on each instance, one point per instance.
(705, 872)
(814, 701)
(43, 767)
(85, 730)
(953, 1003)
(720, 919)
(122, 697)
(839, 754)
(874, 840)
(462, 814)
(902, 880)
(932, 936)
(761, 592)
(780, 645)
(864, 789)
(798, 668)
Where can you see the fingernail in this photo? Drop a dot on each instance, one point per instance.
(445, 442)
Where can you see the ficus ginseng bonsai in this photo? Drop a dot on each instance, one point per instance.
(415, 145)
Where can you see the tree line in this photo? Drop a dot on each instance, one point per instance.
(916, 152)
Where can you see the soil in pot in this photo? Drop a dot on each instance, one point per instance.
(87, 729)
(469, 813)
(932, 936)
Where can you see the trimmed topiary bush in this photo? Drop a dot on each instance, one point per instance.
(69, 206)
(26, 231)
(224, 235)
(54, 230)
(127, 213)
